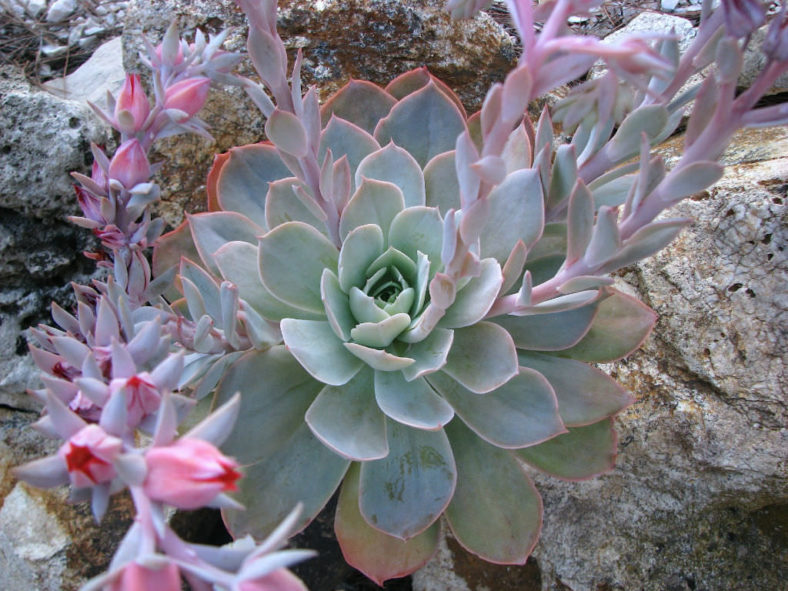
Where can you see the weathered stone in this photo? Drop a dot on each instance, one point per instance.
(340, 39)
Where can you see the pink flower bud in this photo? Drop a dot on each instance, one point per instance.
(189, 474)
(134, 102)
(89, 455)
(279, 580)
(187, 95)
(142, 395)
(136, 577)
(130, 165)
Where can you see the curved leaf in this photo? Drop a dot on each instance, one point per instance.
(282, 205)
(347, 419)
(425, 123)
(476, 298)
(411, 403)
(524, 411)
(418, 229)
(394, 164)
(582, 453)
(362, 246)
(411, 81)
(496, 511)
(211, 231)
(344, 138)
(482, 357)
(404, 493)
(359, 102)
(429, 354)
(374, 202)
(585, 394)
(316, 347)
(377, 555)
(440, 183)
(378, 358)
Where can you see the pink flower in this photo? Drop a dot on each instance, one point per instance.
(136, 577)
(142, 396)
(88, 455)
(279, 580)
(130, 165)
(187, 95)
(189, 474)
(133, 101)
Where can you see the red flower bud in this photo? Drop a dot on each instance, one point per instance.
(133, 101)
(130, 165)
(89, 455)
(188, 474)
(187, 95)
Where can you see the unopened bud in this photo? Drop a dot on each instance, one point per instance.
(187, 95)
(131, 108)
(129, 165)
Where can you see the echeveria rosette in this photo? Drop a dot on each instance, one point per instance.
(364, 387)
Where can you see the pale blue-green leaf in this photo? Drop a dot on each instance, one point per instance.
(211, 231)
(283, 460)
(548, 254)
(418, 229)
(579, 222)
(614, 192)
(359, 102)
(561, 303)
(584, 283)
(167, 254)
(404, 493)
(392, 259)
(238, 263)
(585, 394)
(403, 303)
(412, 80)
(425, 123)
(283, 205)
(549, 332)
(517, 150)
(379, 359)
(316, 347)
(374, 202)
(513, 267)
(645, 242)
(394, 164)
(377, 555)
(619, 328)
(496, 511)
(429, 354)
(522, 412)
(337, 306)
(516, 213)
(605, 240)
(482, 357)
(344, 138)
(564, 175)
(649, 119)
(411, 403)
(287, 133)
(347, 419)
(359, 249)
(244, 177)
(292, 259)
(364, 308)
(380, 334)
(476, 297)
(440, 181)
(582, 453)
(690, 179)
(205, 285)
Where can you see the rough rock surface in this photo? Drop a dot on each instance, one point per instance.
(697, 501)
(341, 39)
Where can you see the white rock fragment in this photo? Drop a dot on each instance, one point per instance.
(61, 10)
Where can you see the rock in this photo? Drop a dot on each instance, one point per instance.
(340, 39)
(45, 543)
(698, 497)
(61, 10)
(90, 82)
(42, 139)
(754, 61)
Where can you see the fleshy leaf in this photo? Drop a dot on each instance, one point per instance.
(345, 139)
(425, 123)
(283, 205)
(440, 181)
(524, 411)
(482, 357)
(347, 419)
(404, 493)
(619, 328)
(378, 358)
(170, 247)
(394, 165)
(476, 298)
(287, 133)
(238, 263)
(377, 555)
(411, 403)
(316, 347)
(271, 440)
(516, 213)
(585, 394)
(548, 254)
(374, 202)
(496, 511)
(418, 229)
(429, 354)
(549, 332)
(211, 231)
(296, 246)
(582, 453)
(359, 102)
(411, 81)
(243, 180)
(360, 248)
(649, 119)
(337, 306)
(380, 334)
